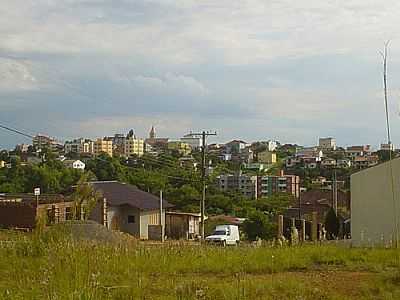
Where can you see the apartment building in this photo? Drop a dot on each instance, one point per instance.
(79, 146)
(244, 184)
(355, 151)
(133, 146)
(195, 142)
(103, 146)
(40, 141)
(362, 162)
(328, 143)
(269, 185)
(266, 157)
(179, 146)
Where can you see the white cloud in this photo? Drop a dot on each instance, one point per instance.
(172, 83)
(16, 75)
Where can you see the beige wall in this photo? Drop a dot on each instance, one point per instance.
(372, 208)
(150, 217)
(267, 157)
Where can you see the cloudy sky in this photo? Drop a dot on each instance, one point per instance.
(252, 69)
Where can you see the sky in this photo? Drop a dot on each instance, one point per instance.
(251, 69)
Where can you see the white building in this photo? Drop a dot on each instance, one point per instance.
(74, 164)
(194, 141)
(271, 145)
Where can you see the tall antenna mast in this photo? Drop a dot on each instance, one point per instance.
(384, 56)
(396, 223)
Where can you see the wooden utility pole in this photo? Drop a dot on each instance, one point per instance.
(161, 217)
(335, 190)
(203, 136)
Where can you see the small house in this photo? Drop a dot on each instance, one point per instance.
(129, 209)
(23, 210)
(74, 164)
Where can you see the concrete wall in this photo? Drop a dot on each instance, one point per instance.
(373, 212)
(132, 228)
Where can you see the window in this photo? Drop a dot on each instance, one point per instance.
(68, 213)
(131, 219)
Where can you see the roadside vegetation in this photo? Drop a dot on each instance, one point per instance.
(54, 265)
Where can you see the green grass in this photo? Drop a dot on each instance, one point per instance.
(53, 266)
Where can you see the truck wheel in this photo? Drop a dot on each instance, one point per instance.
(237, 243)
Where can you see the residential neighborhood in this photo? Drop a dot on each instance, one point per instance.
(252, 171)
(199, 150)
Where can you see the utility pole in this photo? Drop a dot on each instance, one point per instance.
(203, 136)
(334, 182)
(161, 216)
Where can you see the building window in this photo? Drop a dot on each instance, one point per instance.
(68, 213)
(131, 219)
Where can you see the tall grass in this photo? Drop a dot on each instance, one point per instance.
(54, 266)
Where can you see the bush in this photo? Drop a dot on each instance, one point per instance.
(332, 224)
(258, 225)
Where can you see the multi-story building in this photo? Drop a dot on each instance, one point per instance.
(244, 184)
(327, 143)
(362, 162)
(133, 146)
(79, 146)
(181, 147)
(118, 144)
(266, 157)
(103, 146)
(356, 151)
(387, 147)
(235, 146)
(22, 148)
(269, 185)
(194, 141)
(328, 162)
(43, 141)
(310, 152)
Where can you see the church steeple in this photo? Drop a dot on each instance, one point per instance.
(152, 134)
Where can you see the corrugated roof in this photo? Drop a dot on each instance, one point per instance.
(118, 193)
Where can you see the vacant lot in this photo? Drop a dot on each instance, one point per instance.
(54, 266)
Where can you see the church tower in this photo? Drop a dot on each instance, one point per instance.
(152, 134)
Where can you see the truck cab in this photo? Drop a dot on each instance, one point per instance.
(224, 235)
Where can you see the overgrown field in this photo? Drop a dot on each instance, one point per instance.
(53, 266)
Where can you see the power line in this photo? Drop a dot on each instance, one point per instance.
(27, 135)
(20, 132)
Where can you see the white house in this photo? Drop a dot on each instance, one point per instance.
(74, 164)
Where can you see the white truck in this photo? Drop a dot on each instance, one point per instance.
(224, 235)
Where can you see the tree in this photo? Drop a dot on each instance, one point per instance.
(258, 225)
(332, 224)
(275, 204)
(85, 198)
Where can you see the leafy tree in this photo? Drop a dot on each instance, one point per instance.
(332, 224)
(275, 204)
(258, 225)
(85, 198)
